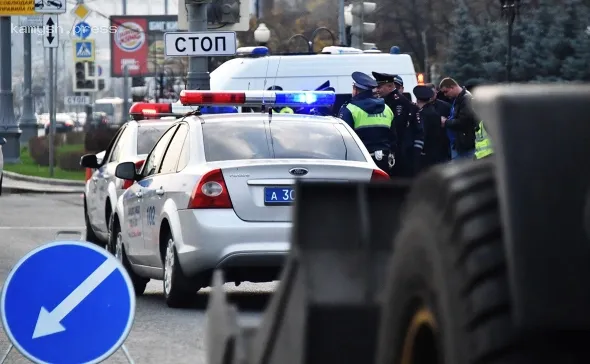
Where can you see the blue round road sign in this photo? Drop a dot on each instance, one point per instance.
(82, 30)
(68, 302)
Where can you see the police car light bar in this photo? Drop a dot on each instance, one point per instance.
(147, 110)
(258, 98)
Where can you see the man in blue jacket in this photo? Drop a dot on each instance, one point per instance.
(372, 120)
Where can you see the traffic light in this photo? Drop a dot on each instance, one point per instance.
(223, 12)
(85, 78)
(360, 28)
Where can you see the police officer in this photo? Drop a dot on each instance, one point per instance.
(435, 138)
(389, 89)
(483, 144)
(410, 134)
(281, 110)
(371, 119)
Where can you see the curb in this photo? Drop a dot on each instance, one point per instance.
(21, 190)
(48, 181)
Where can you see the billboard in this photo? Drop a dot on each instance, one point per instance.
(137, 41)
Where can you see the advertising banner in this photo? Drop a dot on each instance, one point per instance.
(137, 41)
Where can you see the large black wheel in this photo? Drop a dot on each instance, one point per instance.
(116, 242)
(447, 293)
(1, 180)
(91, 237)
(177, 290)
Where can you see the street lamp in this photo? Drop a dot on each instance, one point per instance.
(510, 11)
(310, 42)
(139, 92)
(262, 34)
(348, 23)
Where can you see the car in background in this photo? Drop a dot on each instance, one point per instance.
(131, 144)
(2, 142)
(63, 124)
(216, 192)
(98, 120)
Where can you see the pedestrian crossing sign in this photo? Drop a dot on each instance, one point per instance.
(84, 50)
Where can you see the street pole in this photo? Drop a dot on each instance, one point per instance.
(51, 113)
(341, 24)
(198, 67)
(8, 125)
(28, 121)
(166, 7)
(125, 94)
(124, 6)
(510, 10)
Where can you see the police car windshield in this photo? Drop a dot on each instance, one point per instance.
(147, 136)
(235, 140)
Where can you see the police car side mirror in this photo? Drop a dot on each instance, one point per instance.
(126, 170)
(89, 161)
(2, 141)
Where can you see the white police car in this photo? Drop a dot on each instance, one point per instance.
(131, 144)
(216, 191)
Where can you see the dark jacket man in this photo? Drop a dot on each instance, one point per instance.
(436, 144)
(462, 122)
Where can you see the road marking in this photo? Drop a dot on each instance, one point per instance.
(48, 323)
(42, 227)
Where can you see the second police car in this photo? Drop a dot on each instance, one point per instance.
(131, 143)
(216, 191)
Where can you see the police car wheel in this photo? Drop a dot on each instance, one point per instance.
(116, 240)
(90, 235)
(447, 294)
(176, 293)
(1, 180)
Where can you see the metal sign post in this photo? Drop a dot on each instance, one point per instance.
(51, 114)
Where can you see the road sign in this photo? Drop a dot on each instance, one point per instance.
(84, 50)
(33, 21)
(183, 44)
(81, 11)
(82, 30)
(50, 6)
(77, 100)
(50, 34)
(68, 302)
(17, 7)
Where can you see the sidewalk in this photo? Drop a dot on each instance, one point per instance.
(18, 183)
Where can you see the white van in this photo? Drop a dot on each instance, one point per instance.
(258, 71)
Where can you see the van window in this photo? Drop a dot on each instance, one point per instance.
(297, 140)
(108, 109)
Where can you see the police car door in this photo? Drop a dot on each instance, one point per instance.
(150, 196)
(166, 189)
(100, 181)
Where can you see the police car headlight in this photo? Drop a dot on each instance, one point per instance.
(212, 189)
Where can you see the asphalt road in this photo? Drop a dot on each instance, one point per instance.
(160, 334)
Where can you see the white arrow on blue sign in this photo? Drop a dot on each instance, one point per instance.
(82, 30)
(68, 302)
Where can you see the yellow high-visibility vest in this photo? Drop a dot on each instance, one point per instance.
(483, 144)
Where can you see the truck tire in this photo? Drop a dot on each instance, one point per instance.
(447, 297)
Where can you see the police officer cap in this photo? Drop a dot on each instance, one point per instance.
(423, 93)
(363, 81)
(275, 88)
(383, 77)
(397, 79)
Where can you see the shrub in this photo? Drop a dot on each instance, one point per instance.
(70, 161)
(39, 149)
(98, 140)
(75, 138)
